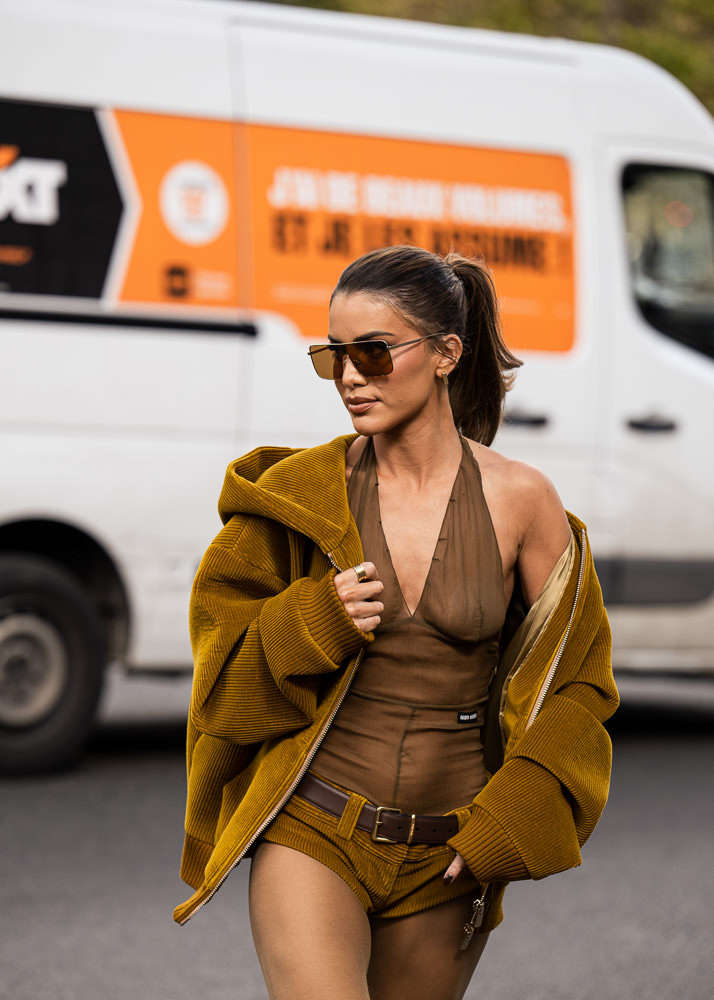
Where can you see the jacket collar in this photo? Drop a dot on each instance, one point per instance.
(302, 488)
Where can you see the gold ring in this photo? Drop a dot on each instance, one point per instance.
(361, 572)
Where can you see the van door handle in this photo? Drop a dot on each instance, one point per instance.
(652, 424)
(521, 418)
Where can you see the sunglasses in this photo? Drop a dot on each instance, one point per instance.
(371, 358)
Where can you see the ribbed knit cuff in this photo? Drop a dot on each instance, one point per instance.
(325, 618)
(521, 813)
(487, 849)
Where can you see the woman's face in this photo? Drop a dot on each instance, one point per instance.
(385, 403)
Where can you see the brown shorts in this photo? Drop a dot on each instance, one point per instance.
(390, 880)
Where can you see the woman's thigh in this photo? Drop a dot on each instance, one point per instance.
(311, 933)
(419, 956)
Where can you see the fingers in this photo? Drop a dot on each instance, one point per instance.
(367, 623)
(366, 614)
(362, 572)
(359, 599)
(349, 586)
(454, 869)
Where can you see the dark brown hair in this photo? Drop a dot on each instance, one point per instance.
(452, 294)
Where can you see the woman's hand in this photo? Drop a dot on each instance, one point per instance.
(454, 869)
(360, 599)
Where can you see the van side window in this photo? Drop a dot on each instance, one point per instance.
(669, 217)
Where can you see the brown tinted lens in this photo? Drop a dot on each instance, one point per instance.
(324, 361)
(370, 357)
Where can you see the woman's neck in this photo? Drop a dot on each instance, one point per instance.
(418, 453)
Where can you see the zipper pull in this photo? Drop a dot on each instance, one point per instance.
(468, 934)
(470, 928)
(332, 561)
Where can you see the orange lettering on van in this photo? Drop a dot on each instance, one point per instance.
(8, 155)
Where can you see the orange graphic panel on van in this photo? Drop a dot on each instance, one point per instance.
(184, 243)
(320, 199)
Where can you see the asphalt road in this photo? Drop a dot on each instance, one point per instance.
(88, 863)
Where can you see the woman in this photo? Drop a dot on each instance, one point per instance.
(383, 618)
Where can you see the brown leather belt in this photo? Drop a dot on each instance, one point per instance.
(386, 825)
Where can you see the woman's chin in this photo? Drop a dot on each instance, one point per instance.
(369, 424)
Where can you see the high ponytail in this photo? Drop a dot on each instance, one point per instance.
(442, 295)
(478, 385)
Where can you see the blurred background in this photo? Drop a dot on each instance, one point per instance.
(181, 182)
(676, 34)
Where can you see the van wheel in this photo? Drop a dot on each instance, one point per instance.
(51, 665)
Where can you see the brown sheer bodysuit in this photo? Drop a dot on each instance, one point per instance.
(408, 734)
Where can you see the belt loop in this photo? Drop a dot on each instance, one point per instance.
(350, 815)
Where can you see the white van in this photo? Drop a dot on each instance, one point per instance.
(181, 183)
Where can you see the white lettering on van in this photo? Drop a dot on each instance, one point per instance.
(313, 190)
(29, 190)
(399, 197)
(341, 192)
(293, 188)
(385, 196)
(508, 207)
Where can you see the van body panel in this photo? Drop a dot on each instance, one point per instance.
(161, 57)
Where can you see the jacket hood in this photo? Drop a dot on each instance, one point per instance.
(296, 486)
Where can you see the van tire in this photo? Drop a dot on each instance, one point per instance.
(51, 665)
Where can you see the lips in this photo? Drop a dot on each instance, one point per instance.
(359, 404)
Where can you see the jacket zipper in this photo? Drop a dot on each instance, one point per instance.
(545, 687)
(296, 781)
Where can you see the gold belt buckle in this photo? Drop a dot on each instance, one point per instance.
(378, 822)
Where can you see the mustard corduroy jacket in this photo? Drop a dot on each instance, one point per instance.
(275, 651)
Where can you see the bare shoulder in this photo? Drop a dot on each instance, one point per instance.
(516, 482)
(528, 517)
(523, 502)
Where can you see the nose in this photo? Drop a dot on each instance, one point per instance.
(351, 375)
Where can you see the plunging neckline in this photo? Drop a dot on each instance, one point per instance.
(440, 534)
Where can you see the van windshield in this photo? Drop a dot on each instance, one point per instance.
(669, 217)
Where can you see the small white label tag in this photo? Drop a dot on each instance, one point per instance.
(467, 717)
